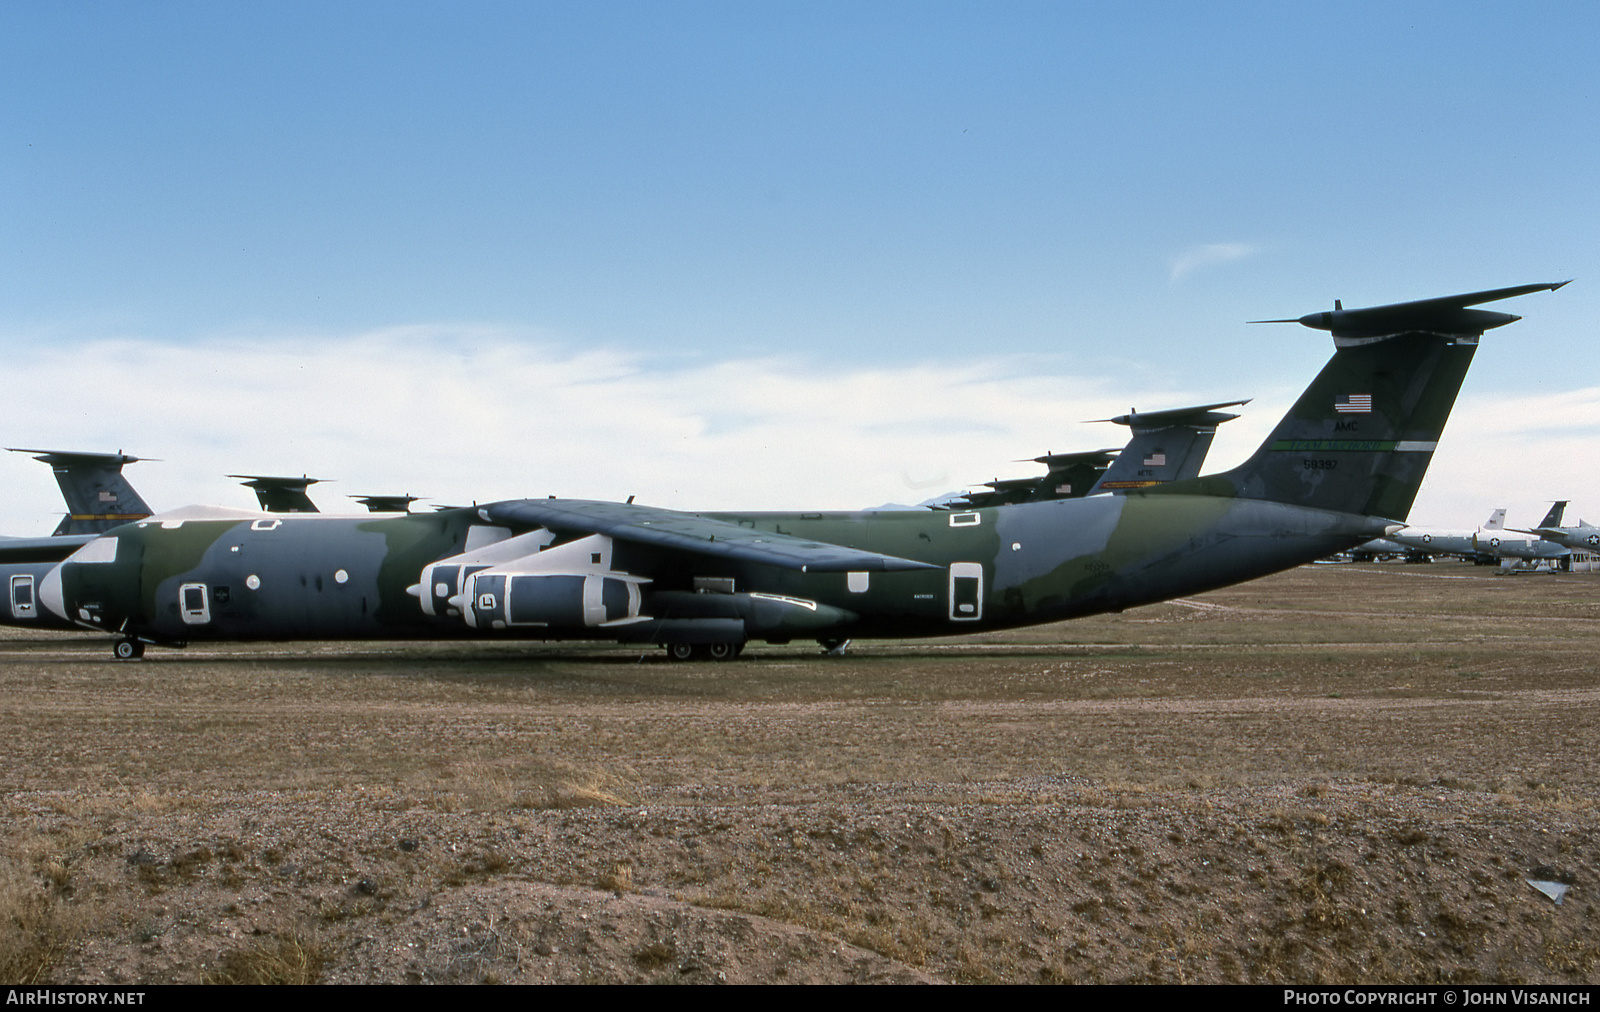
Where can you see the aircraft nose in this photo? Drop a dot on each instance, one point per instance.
(50, 593)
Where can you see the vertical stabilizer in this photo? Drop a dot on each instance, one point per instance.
(1360, 438)
(98, 496)
(1558, 510)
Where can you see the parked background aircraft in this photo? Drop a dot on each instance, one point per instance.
(1068, 476)
(1584, 536)
(1510, 547)
(1487, 545)
(98, 496)
(1342, 467)
(1462, 542)
(1582, 539)
(1166, 446)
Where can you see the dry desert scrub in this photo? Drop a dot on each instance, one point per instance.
(1339, 774)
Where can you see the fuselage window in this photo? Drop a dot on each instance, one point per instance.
(194, 604)
(22, 597)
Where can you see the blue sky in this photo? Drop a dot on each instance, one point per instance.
(767, 255)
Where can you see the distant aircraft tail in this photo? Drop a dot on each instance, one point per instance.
(1496, 521)
(1166, 446)
(281, 494)
(98, 496)
(1360, 438)
(1558, 510)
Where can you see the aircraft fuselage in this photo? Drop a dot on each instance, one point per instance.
(325, 577)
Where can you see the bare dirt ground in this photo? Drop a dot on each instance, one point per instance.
(1343, 773)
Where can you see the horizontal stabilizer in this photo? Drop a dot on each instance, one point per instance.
(1093, 458)
(1200, 415)
(1447, 315)
(387, 503)
(69, 458)
(281, 494)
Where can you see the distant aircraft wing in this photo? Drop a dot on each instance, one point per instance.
(1548, 533)
(18, 551)
(687, 532)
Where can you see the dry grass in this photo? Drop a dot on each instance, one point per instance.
(507, 785)
(286, 960)
(37, 927)
(1340, 774)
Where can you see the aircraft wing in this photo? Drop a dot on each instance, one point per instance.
(15, 551)
(687, 532)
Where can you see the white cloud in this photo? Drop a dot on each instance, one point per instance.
(1196, 257)
(477, 414)
(468, 414)
(1520, 452)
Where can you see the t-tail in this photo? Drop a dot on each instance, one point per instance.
(1167, 446)
(98, 496)
(281, 494)
(1360, 438)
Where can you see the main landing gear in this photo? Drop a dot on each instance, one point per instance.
(127, 649)
(704, 651)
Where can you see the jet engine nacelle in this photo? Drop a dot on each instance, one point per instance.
(520, 582)
(496, 599)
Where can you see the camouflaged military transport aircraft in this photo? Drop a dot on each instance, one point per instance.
(1342, 467)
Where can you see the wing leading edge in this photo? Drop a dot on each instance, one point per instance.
(687, 532)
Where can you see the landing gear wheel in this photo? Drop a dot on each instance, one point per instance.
(724, 651)
(833, 646)
(128, 650)
(681, 651)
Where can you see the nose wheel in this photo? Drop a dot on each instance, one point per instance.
(127, 649)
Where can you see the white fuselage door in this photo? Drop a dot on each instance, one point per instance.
(966, 591)
(22, 605)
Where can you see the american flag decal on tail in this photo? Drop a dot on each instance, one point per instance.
(1353, 404)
